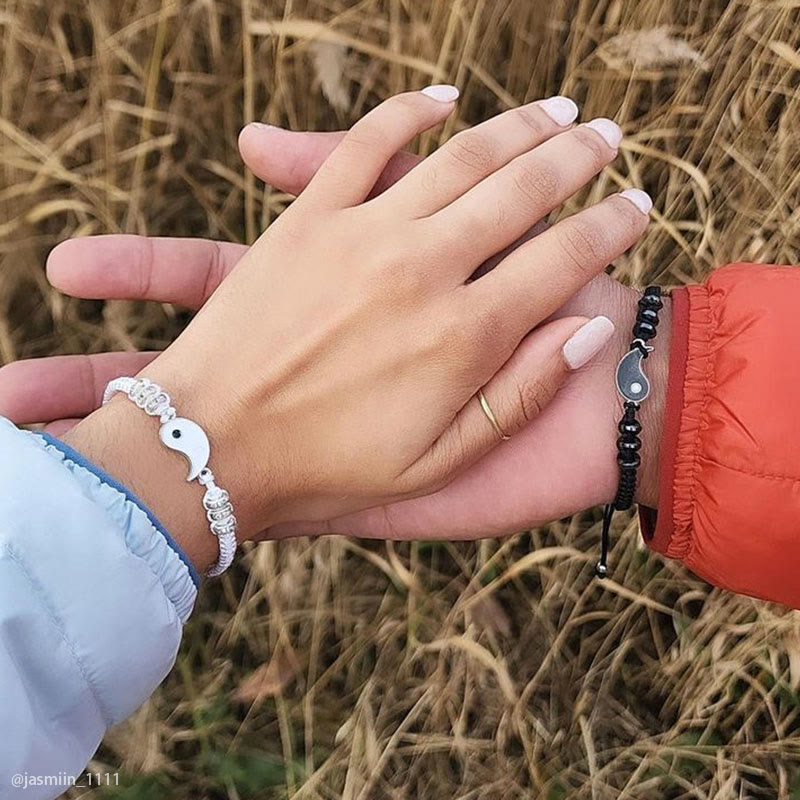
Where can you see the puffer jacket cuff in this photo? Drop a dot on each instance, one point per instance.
(729, 493)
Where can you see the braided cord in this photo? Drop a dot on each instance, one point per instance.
(155, 402)
(629, 442)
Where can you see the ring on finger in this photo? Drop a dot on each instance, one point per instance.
(487, 410)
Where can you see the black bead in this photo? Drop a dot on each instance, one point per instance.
(629, 460)
(651, 298)
(650, 301)
(633, 427)
(648, 315)
(644, 330)
(629, 445)
(649, 309)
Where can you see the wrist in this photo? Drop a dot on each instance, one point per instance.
(123, 441)
(653, 408)
(250, 467)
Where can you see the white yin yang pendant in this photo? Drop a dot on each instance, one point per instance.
(189, 439)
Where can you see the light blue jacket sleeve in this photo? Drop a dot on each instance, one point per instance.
(93, 597)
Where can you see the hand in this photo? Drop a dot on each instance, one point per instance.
(562, 462)
(365, 396)
(488, 499)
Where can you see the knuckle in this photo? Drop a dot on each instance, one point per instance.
(533, 119)
(441, 336)
(538, 184)
(488, 325)
(215, 271)
(442, 462)
(366, 135)
(599, 152)
(405, 273)
(628, 218)
(532, 397)
(458, 451)
(430, 177)
(147, 259)
(472, 150)
(405, 102)
(584, 244)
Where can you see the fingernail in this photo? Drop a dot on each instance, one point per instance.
(587, 342)
(561, 110)
(639, 198)
(443, 92)
(259, 125)
(609, 130)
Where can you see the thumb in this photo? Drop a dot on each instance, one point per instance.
(288, 160)
(516, 394)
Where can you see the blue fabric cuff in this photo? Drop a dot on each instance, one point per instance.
(82, 461)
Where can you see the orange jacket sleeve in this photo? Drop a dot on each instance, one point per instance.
(729, 495)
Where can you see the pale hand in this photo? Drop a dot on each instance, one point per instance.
(559, 463)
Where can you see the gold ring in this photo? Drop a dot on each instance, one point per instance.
(490, 416)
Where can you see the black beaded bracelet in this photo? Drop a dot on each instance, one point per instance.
(633, 387)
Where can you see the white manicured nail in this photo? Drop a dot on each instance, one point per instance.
(561, 110)
(609, 130)
(587, 342)
(443, 92)
(639, 198)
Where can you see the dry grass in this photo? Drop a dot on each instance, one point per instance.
(420, 670)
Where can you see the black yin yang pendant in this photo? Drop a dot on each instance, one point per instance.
(632, 383)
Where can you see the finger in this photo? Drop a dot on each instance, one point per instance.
(60, 426)
(516, 394)
(476, 153)
(353, 168)
(183, 271)
(288, 160)
(47, 389)
(497, 211)
(492, 262)
(166, 270)
(538, 277)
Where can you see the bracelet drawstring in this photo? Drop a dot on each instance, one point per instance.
(601, 567)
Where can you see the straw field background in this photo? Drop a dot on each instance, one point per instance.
(343, 669)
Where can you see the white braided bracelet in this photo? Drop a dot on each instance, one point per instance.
(189, 439)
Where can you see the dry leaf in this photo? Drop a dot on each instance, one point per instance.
(792, 645)
(329, 62)
(480, 654)
(488, 614)
(140, 741)
(786, 52)
(651, 48)
(269, 680)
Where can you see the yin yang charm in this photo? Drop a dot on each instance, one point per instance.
(632, 383)
(188, 439)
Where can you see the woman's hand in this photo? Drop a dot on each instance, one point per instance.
(614, 224)
(562, 462)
